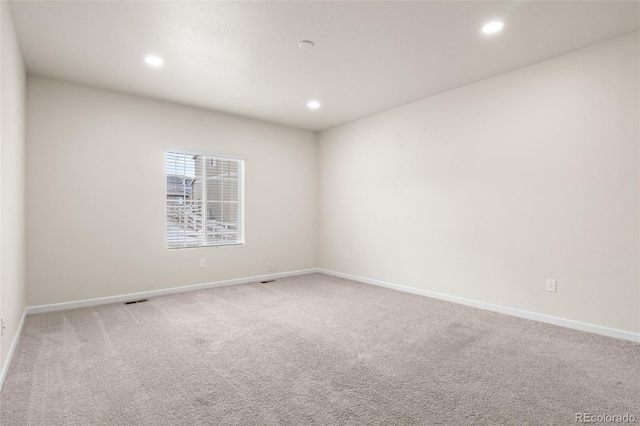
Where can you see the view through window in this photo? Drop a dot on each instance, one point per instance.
(205, 200)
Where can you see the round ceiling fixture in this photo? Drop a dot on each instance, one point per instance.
(306, 44)
(154, 61)
(493, 27)
(313, 104)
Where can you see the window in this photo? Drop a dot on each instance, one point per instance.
(205, 200)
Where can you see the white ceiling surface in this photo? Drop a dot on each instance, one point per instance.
(243, 57)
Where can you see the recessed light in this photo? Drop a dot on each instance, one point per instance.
(154, 61)
(306, 44)
(493, 27)
(313, 104)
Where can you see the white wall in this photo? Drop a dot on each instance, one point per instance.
(485, 191)
(12, 170)
(96, 193)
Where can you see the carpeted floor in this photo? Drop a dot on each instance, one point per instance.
(310, 350)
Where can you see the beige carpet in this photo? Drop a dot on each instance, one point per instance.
(310, 350)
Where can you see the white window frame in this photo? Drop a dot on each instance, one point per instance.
(240, 240)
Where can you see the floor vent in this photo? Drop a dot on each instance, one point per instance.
(267, 281)
(131, 302)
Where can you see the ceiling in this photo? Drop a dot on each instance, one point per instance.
(243, 57)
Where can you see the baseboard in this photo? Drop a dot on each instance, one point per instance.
(577, 325)
(161, 292)
(12, 349)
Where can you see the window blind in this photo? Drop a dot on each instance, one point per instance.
(205, 200)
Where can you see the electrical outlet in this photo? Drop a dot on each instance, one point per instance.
(346, 255)
(203, 263)
(552, 285)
